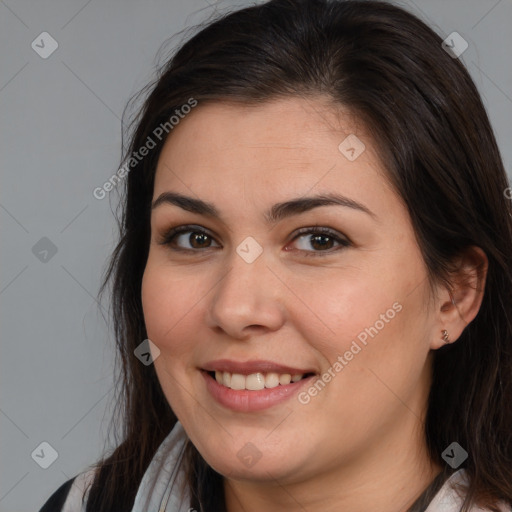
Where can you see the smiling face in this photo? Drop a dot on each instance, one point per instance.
(350, 305)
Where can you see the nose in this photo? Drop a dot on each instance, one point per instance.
(248, 298)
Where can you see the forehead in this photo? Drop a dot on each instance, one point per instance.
(294, 123)
(291, 145)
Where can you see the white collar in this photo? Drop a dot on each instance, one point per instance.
(450, 499)
(159, 489)
(447, 498)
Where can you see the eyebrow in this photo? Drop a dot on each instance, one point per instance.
(276, 213)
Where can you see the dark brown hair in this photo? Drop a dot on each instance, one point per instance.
(434, 138)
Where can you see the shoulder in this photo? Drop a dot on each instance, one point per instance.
(68, 497)
(451, 496)
(56, 501)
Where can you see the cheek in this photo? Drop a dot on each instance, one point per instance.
(168, 314)
(170, 324)
(154, 303)
(337, 311)
(373, 318)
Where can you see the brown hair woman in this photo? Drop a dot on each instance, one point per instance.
(315, 257)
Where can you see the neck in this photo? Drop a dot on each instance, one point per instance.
(392, 474)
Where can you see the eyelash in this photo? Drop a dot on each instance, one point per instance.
(170, 235)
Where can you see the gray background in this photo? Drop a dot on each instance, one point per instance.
(61, 138)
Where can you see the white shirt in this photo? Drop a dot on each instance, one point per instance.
(448, 500)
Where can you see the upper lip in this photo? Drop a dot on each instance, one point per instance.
(249, 367)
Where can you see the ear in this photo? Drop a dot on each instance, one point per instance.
(457, 307)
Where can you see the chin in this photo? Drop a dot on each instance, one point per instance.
(250, 464)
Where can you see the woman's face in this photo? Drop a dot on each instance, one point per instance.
(262, 297)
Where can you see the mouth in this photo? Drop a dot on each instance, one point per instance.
(252, 390)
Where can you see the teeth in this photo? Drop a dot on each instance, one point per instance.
(285, 379)
(237, 381)
(272, 380)
(255, 381)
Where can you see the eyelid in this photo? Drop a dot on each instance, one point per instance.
(170, 233)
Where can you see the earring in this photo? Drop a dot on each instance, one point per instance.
(444, 332)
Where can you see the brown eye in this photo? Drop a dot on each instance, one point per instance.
(321, 239)
(196, 237)
(315, 241)
(201, 239)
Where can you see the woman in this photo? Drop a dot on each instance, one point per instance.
(313, 284)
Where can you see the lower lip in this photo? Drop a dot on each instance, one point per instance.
(248, 401)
